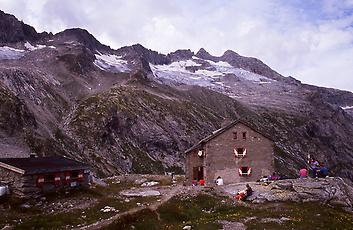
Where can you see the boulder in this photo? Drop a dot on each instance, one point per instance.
(140, 193)
(333, 191)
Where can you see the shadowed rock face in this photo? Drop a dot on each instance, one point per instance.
(57, 100)
(84, 37)
(14, 114)
(12, 30)
(180, 55)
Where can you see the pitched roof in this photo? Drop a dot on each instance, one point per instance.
(38, 165)
(222, 130)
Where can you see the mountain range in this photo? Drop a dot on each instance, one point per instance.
(134, 110)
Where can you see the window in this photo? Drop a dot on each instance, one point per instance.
(244, 135)
(77, 175)
(67, 175)
(49, 178)
(244, 171)
(235, 135)
(240, 152)
(200, 153)
(74, 174)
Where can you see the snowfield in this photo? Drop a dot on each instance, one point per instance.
(30, 47)
(13, 53)
(10, 53)
(111, 63)
(347, 107)
(204, 73)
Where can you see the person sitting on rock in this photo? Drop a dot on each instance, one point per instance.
(323, 172)
(194, 182)
(243, 194)
(248, 190)
(265, 179)
(303, 173)
(202, 182)
(274, 176)
(219, 181)
(315, 166)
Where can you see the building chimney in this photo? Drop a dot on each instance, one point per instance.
(226, 121)
(33, 155)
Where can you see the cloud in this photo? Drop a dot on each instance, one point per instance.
(308, 39)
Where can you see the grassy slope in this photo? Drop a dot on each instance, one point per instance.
(41, 218)
(204, 211)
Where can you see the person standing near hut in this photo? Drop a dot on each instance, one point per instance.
(219, 181)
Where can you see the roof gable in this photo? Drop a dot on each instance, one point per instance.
(222, 130)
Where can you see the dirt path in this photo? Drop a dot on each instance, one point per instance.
(103, 223)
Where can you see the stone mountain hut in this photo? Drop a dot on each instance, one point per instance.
(29, 177)
(237, 152)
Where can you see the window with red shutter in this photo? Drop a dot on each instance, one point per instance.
(244, 171)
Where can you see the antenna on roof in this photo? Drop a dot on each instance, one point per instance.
(226, 121)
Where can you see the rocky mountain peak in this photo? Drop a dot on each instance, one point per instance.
(12, 30)
(182, 54)
(138, 51)
(202, 53)
(230, 54)
(84, 37)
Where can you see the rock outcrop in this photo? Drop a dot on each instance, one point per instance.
(331, 191)
(12, 30)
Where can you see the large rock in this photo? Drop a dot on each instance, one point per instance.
(333, 191)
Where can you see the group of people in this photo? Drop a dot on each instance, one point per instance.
(272, 177)
(201, 182)
(316, 169)
(196, 182)
(241, 195)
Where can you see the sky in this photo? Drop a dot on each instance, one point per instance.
(311, 40)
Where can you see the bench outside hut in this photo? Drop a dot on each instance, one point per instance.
(30, 177)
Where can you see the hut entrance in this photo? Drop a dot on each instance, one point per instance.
(198, 173)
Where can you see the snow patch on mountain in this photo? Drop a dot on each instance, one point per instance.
(347, 107)
(226, 68)
(10, 53)
(177, 72)
(204, 73)
(111, 63)
(30, 47)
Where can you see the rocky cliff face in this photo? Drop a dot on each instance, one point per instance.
(136, 110)
(12, 30)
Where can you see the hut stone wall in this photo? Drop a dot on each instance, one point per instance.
(219, 158)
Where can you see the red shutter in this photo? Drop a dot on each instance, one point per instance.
(240, 155)
(236, 152)
(249, 171)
